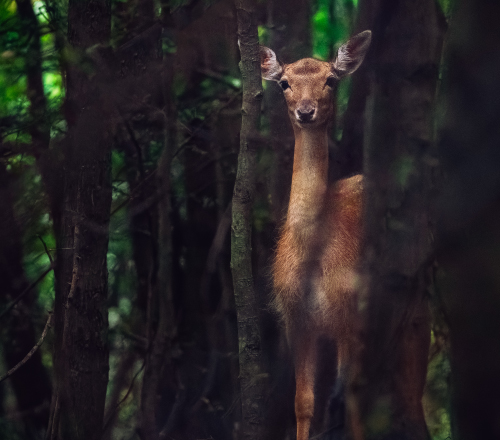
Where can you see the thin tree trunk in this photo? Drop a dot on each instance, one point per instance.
(251, 373)
(162, 292)
(469, 227)
(399, 161)
(139, 62)
(39, 127)
(30, 383)
(81, 319)
(123, 379)
(350, 150)
(143, 224)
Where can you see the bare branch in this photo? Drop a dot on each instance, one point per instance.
(26, 291)
(113, 411)
(46, 250)
(9, 373)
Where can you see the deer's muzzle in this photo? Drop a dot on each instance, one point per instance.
(305, 111)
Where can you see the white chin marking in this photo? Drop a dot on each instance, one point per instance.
(300, 121)
(306, 123)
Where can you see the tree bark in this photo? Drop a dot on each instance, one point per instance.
(399, 164)
(469, 221)
(81, 319)
(251, 373)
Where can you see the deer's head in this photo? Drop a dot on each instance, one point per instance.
(308, 84)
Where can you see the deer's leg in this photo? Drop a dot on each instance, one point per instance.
(337, 404)
(305, 355)
(336, 408)
(347, 411)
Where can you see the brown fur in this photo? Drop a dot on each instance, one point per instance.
(332, 261)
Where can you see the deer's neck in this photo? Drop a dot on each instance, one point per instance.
(310, 175)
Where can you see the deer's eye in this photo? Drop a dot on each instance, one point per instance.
(330, 81)
(284, 84)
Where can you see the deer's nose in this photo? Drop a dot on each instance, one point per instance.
(305, 111)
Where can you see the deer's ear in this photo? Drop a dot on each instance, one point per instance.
(351, 54)
(270, 66)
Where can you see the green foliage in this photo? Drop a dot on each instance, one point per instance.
(323, 35)
(436, 398)
(14, 103)
(263, 35)
(448, 6)
(331, 25)
(33, 217)
(121, 280)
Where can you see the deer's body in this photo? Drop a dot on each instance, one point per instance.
(318, 250)
(311, 252)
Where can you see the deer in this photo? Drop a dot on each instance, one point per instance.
(316, 263)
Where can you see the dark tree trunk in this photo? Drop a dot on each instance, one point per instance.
(399, 163)
(250, 355)
(222, 323)
(143, 223)
(469, 227)
(198, 230)
(349, 157)
(161, 296)
(39, 127)
(289, 25)
(139, 65)
(81, 319)
(30, 383)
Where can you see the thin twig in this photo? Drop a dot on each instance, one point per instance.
(179, 149)
(22, 415)
(27, 290)
(112, 413)
(9, 373)
(204, 122)
(130, 196)
(136, 145)
(46, 250)
(142, 341)
(218, 77)
(74, 279)
(177, 409)
(51, 432)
